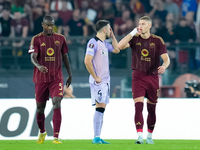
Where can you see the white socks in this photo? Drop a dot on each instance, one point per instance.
(149, 135)
(140, 134)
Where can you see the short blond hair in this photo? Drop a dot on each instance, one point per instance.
(147, 18)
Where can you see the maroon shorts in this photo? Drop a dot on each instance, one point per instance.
(43, 89)
(145, 85)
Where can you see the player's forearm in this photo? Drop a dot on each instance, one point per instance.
(115, 46)
(35, 61)
(122, 44)
(90, 68)
(166, 62)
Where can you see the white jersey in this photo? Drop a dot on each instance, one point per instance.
(99, 50)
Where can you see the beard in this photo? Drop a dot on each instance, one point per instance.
(107, 36)
(143, 32)
(49, 32)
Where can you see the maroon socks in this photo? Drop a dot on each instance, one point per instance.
(56, 122)
(139, 121)
(151, 119)
(40, 122)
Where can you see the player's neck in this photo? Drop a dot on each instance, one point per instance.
(101, 36)
(145, 35)
(46, 34)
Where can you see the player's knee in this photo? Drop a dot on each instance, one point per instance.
(100, 109)
(40, 107)
(56, 104)
(40, 110)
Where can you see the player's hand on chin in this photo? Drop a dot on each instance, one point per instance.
(111, 33)
(43, 69)
(161, 69)
(139, 31)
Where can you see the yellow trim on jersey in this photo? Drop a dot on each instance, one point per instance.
(155, 36)
(61, 35)
(32, 40)
(136, 35)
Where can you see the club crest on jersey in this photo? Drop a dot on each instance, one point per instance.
(138, 43)
(152, 45)
(50, 51)
(145, 52)
(57, 43)
(91, 45)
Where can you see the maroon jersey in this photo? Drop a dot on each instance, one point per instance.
(50, 50)
(146, 53)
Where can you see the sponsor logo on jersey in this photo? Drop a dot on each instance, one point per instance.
(91, 45)
(43, 44)
(104, 53)
(50, 51)
(138, 43)
(152, 45)
(50, 59)
(57, 43)
(145, 58)
(145, 52)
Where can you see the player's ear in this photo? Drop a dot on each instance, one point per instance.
(150, 25)
(104, 30)
(42, 24)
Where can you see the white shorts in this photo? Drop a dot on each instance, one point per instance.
(100, 93)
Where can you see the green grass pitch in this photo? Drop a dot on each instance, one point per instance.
(87, 145)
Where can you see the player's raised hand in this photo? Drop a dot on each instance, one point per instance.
(98, 79)
(68, 82)
(139, 31)
(43, 69)
(111, 33)
(161, 69)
